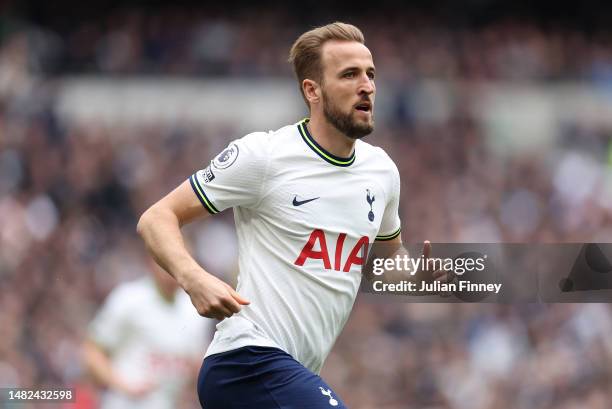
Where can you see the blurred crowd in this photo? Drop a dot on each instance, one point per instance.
(448, 356)
(254, 42)
(71, 194)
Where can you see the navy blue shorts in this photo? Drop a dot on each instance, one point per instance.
(261, 378)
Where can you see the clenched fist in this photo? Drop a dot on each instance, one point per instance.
(213, 298)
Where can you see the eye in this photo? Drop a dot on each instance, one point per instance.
(349, 74)
(371, 75)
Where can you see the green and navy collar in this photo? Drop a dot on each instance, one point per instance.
(318, 149)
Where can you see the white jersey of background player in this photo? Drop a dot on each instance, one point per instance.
(304, 220)
(145, 344)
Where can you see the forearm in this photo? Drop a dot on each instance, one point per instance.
(397, 273)
(99, 365)
(161, 231)
(393, 265)
(382, 265)
(160, 228)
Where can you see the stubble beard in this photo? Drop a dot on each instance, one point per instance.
(345, 123)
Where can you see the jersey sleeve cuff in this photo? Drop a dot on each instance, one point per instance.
(199, 192)
(387, 237)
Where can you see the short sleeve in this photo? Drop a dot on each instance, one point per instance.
(390, 226)
(108, 326)
(235, 177)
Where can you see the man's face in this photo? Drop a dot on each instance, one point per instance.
(348, 88)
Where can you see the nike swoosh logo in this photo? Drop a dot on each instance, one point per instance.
(301, 202)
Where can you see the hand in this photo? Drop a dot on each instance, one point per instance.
(429, 275)
(136, 390)
(213, 298)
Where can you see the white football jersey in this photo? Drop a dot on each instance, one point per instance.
(304, 220)
(150, 340)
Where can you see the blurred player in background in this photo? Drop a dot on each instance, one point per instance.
(308, 200)
(145, 344)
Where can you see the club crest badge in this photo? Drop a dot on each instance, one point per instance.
(227, 157)
(370, 199)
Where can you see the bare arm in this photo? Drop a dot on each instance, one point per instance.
(99, 366)
(160, 228)
(394, 248)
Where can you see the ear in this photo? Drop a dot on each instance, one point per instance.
(312, 91)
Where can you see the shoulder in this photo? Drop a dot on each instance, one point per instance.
(377, 157)
(259, 137)
(379, 164)
(262, 142)
(253, 143)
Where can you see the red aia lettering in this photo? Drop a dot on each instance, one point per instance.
(339, 245)
(361, 248)
(354, 257)
(308, 252)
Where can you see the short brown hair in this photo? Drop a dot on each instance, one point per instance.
(305, 54)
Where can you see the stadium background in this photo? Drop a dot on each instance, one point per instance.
(498, 116)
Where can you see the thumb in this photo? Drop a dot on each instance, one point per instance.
(426, 249)
(241, 300)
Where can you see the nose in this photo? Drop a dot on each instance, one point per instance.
(366, 85)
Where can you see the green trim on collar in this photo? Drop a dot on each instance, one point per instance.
(319, 150)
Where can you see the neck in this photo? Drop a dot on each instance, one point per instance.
(330, 138)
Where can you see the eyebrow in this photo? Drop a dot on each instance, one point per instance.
(352, 68)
